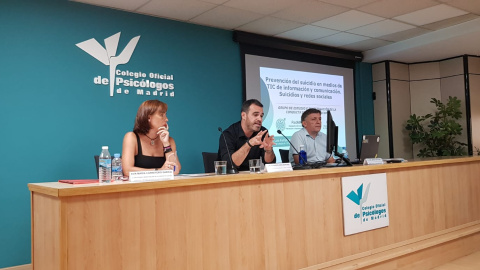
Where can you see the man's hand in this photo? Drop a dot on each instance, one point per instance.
(268, 143)
(257, 140)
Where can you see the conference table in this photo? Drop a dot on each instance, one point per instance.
(281, 220)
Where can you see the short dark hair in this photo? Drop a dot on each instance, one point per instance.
(306, 113)
(246, 105)
(146, 109)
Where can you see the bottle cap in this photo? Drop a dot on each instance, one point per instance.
(116, 155)
(104, 147)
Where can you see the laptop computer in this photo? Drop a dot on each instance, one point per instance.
(369, 149)
(369, 146)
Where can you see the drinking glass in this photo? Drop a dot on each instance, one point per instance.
(220, 167)
(254, 165)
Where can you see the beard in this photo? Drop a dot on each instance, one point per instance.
(255, 126)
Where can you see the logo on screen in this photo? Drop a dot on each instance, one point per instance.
(280, 124)
(126, 80)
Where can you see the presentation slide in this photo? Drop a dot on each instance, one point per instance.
(287, 88)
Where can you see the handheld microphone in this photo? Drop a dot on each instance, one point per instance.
(300, 156)
(232, 170)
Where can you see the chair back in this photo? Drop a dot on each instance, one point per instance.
(208, 159)
(96, 162)
(284, 155)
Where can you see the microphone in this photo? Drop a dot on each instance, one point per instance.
(233, 170)
(305, 166)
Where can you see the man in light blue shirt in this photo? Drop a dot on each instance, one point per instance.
(314, 141)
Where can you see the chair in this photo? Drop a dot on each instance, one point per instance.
(96, 162)
(284, 155)
(208, 161)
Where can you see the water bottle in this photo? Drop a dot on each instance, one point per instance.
(104, 166)
(116, 167)
(303, 155)
(344, 152)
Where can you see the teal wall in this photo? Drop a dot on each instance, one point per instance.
(54, 119)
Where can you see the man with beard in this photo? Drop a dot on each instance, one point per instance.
(314, 141)
(247, 139)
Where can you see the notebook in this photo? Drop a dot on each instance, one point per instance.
(79, 181)
(369, 146)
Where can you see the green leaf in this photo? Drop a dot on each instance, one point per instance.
(436, 132)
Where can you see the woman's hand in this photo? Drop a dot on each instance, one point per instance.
(168, 165)
(164, 135)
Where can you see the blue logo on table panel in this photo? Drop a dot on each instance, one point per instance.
(368, 212)
(357, 197)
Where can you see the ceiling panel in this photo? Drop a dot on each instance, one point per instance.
(450, 22)
(392, 24)
(176, 9)
(348, 20)
(265, 7)
(226, 17)
(402, 35)
(217, 2)
(269, 26)
(381, 28)
(309, 11)
(391, 8)
(307, 33)
(430, 15)
(472, 6)
(349, 3)
(366, 45)
(340, 39)
(447, 42)
(118, 4)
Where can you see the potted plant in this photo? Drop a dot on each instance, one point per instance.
(437, 132)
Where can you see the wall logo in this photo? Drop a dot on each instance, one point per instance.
(108, 56)
(365, 202)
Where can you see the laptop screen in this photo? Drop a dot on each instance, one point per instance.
(369, 146)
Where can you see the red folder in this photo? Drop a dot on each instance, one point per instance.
(79, 181)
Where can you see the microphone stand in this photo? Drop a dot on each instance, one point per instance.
(304, 166)
(232, 170)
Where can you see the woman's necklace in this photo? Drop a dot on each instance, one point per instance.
(152, 141)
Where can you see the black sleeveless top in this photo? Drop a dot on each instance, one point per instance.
(147, 162)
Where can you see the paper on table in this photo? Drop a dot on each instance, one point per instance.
(79, 181)
(197, 174)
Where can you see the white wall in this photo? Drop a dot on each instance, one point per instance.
(412, 86)
(474, 70)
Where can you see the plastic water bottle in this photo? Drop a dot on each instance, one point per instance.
(344, 152)
(116, 167)
(104, 166)
(303, 155)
